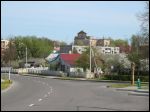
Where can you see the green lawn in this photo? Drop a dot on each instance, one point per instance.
(5, 84)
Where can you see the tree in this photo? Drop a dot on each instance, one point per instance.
(96, 61)
(83, 60)
(9, 53)
(118, 42)
(144, 18)
(134, 55)
(37, 47)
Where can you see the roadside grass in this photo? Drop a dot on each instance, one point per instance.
(5, 84)
(4, 76)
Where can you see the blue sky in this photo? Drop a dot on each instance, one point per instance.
(62, 20)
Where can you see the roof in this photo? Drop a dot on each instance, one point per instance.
(69, 58)
(81, 32)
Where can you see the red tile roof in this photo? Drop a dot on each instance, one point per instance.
(69, 58)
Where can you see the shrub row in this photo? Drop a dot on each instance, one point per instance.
(124, 77)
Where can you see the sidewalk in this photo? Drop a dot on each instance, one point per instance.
(133, 90)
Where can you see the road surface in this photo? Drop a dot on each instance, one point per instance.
(46, 94)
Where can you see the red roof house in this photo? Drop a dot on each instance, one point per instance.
(69, 59)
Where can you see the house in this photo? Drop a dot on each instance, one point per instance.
(72, 49)
(67, 63)
(65, 49)
(32, 62)
(125, 49)
(79, 49)
(4, 45)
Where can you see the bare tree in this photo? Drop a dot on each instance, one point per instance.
(144, 18)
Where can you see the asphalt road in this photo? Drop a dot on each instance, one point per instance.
(45, 94)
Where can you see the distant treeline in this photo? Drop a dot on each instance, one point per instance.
(36, 48)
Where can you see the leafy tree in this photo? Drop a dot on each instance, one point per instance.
(134, 57)
(118, 42)
(83, 60)
(9, 53)
(96, 59)
(37, 47)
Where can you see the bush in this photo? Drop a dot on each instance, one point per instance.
(124, 77)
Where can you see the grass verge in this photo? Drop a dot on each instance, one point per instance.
(5, 84)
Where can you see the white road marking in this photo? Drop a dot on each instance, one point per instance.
(40, 99)
(31, 105)
(49, 92)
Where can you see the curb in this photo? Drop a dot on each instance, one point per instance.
(60, 78)
(138, 94)
(142, 91)
(92, 80)
(121, 89)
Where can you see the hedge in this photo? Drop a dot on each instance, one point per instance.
(124, 77)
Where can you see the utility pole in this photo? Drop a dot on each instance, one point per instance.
(90, 55)
(26, 57)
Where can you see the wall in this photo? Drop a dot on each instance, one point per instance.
(42, 71)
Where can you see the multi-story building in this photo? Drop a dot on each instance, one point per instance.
(84, 40)
(93, 42)
(103, 42)
(108, 50)
(81, 39)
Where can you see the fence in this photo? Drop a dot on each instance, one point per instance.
(39, 71)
